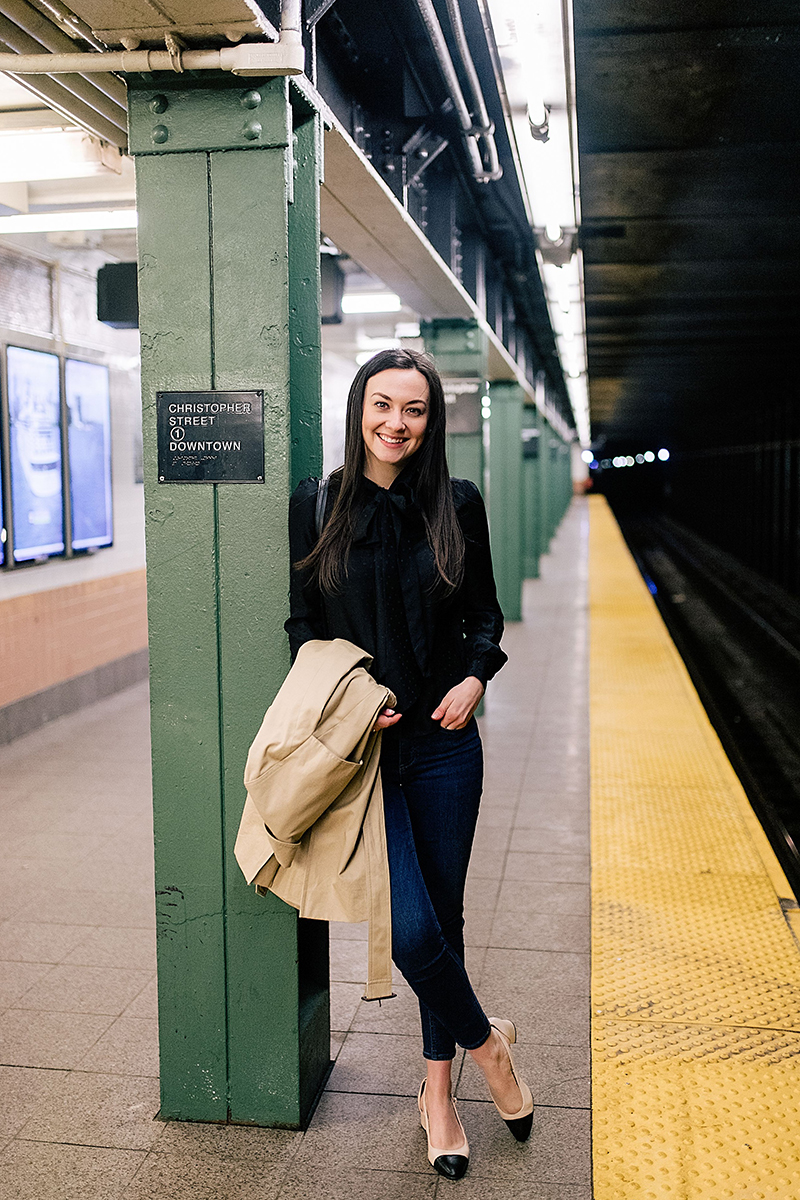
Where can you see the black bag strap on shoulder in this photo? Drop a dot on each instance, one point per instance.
(322, 499)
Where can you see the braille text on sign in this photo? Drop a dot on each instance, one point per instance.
(210, 437)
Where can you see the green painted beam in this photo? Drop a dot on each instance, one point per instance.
(506, 514)
(305, 340)
(531, 503)
(459, 347)
(465, 456)
(182, 615)
(460, 350)
(546, 505)
(243, 991)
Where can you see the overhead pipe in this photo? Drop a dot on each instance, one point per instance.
(57, 97)
(284, 57)
(479, 110)
(27, 48)
(67, 17)
(248, 58)
(291, 17)
(48, 35)
(471, 131)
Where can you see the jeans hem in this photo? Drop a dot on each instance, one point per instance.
(438, 1057)
(479, 1042)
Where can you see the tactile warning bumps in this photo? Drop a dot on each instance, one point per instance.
(695, 974)
(724, 1130)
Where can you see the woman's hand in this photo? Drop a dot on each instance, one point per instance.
(386, 717)
(459, 704)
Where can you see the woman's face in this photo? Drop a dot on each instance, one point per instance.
(394, 420)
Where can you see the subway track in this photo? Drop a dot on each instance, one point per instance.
(739, 636)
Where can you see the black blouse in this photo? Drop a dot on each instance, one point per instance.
(422, 642)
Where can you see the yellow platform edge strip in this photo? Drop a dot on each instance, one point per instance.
(695, 970)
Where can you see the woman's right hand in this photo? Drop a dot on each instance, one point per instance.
(386, 717)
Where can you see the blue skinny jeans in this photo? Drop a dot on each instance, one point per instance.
(431, 793)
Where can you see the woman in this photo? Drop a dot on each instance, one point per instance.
(402, 568)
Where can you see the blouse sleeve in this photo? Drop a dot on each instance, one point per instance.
(483, 618)
(306, 618)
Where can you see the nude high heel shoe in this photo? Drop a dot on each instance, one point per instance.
(520, 1123)
(452, 1164)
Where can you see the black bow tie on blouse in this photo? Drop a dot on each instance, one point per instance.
(392, 518)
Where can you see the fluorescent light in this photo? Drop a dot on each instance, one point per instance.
(27, 155)
(61, 222)
(536, 58)
(535, 43)
(407, 329)
(371, 302)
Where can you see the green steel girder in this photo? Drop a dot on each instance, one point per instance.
(229, 299)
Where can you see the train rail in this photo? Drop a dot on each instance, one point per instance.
(740, 638)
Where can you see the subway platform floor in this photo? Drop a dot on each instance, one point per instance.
(78, 1021)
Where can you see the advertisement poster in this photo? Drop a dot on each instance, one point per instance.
(35, 443)
(89, 440)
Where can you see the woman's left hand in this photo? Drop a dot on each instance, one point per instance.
(459, 704)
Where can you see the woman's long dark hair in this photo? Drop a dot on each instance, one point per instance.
(328, 560)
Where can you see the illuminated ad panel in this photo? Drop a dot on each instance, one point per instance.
(37, 503)
(89, 440)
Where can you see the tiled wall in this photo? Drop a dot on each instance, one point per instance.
(50, 636)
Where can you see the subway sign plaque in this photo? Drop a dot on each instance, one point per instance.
(210, 437)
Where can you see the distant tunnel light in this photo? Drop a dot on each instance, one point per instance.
(649, 456)
(60, 222)
(371, 302)
(587, 456)
(663, 455)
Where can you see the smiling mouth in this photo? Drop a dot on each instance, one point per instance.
(391, 441)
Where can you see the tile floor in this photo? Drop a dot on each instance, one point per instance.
(78, 1021)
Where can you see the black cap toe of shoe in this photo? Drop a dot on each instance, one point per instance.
(451, 1166)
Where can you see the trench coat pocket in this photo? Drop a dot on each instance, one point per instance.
(290, 801)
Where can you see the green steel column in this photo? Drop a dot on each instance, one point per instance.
(465, 456)
(566, 478)
(530, 492)
(242, 983)
(460, 350)
(558, 483)
(556, 486)
(305, 342)
(506, 514)
(545, 485)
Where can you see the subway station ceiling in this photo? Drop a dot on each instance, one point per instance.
(689, 135)
(383, 72)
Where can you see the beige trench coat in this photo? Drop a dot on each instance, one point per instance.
(312, 830)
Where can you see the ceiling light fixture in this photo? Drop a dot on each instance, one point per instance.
(29, 155)
(535, 43)
(78, 219)
(371, 302)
